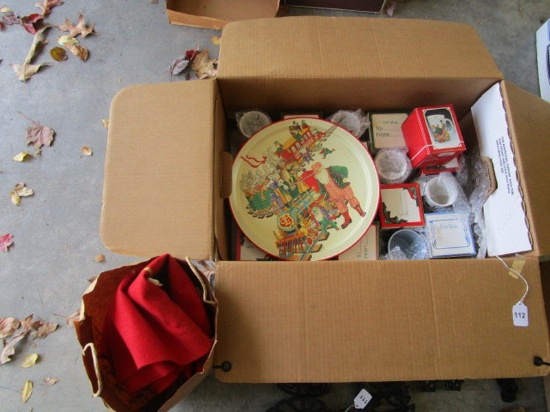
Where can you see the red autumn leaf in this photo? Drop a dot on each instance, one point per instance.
(47, 5)
(190, 54)
(32, 22)
(5, 242)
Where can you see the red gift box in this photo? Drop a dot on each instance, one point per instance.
(433, 136)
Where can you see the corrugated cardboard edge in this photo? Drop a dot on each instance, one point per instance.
(529, 124)
(352, 62)
(153, 131)
(195, 20)
(451, 325)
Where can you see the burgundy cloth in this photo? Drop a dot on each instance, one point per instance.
(153, 335)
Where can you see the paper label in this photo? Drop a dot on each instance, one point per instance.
(520, 315)
(362, 399)
(504, 211)
(386, 129)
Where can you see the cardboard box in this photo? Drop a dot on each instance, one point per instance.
(166, 180)
(215, 14)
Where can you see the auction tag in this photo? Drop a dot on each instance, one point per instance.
(520, 315)
(362, 399)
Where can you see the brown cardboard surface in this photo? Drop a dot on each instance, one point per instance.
(215, 14)
(529, 122)
(325, 321)
(329, 64)
(158, 192)
(376, 321)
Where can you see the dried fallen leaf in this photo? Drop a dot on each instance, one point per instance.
(20, 191)
(44, 330)
(58, 54)
(5, 242)
(8, 326)
(9, 348)
(80, 28)
(105, 123)
(26, 70)
(77, 50)
(178, 65)
(32, 23)
(26, 392)
(21, 157)
(100, 258)
(87, 151)
(191, 54)
(47, 5)
(51, 380)
(28, 323)
(204, 67)
(38, 135)
(11, 18)
(30, 360)
(61, 40)
(216, 40)
(15, 198)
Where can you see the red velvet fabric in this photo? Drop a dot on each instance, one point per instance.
(155, 334)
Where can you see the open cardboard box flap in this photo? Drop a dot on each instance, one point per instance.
(329, 321)
(215, 14)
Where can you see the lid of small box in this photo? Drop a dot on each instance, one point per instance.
(158, 190)
(529, 123)
(370, 63)
(215, 14)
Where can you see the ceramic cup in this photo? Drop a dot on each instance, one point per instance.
(440, 192)
(410, 242)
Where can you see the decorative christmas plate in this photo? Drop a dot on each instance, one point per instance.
(304, 189)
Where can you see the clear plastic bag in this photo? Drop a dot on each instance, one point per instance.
(356, 122)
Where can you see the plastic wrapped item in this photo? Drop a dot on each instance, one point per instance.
(443, 192)
(393, 165)
(479, 188)
(251, 121)
(395, 254)
(356, 122)
(407, 244)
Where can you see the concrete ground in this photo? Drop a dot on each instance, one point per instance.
(56, 231)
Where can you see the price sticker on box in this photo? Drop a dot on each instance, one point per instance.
(362, 399)
(520, 315)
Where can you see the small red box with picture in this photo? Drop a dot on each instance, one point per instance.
(433, 136)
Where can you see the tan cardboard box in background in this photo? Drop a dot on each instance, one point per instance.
(330, 321)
